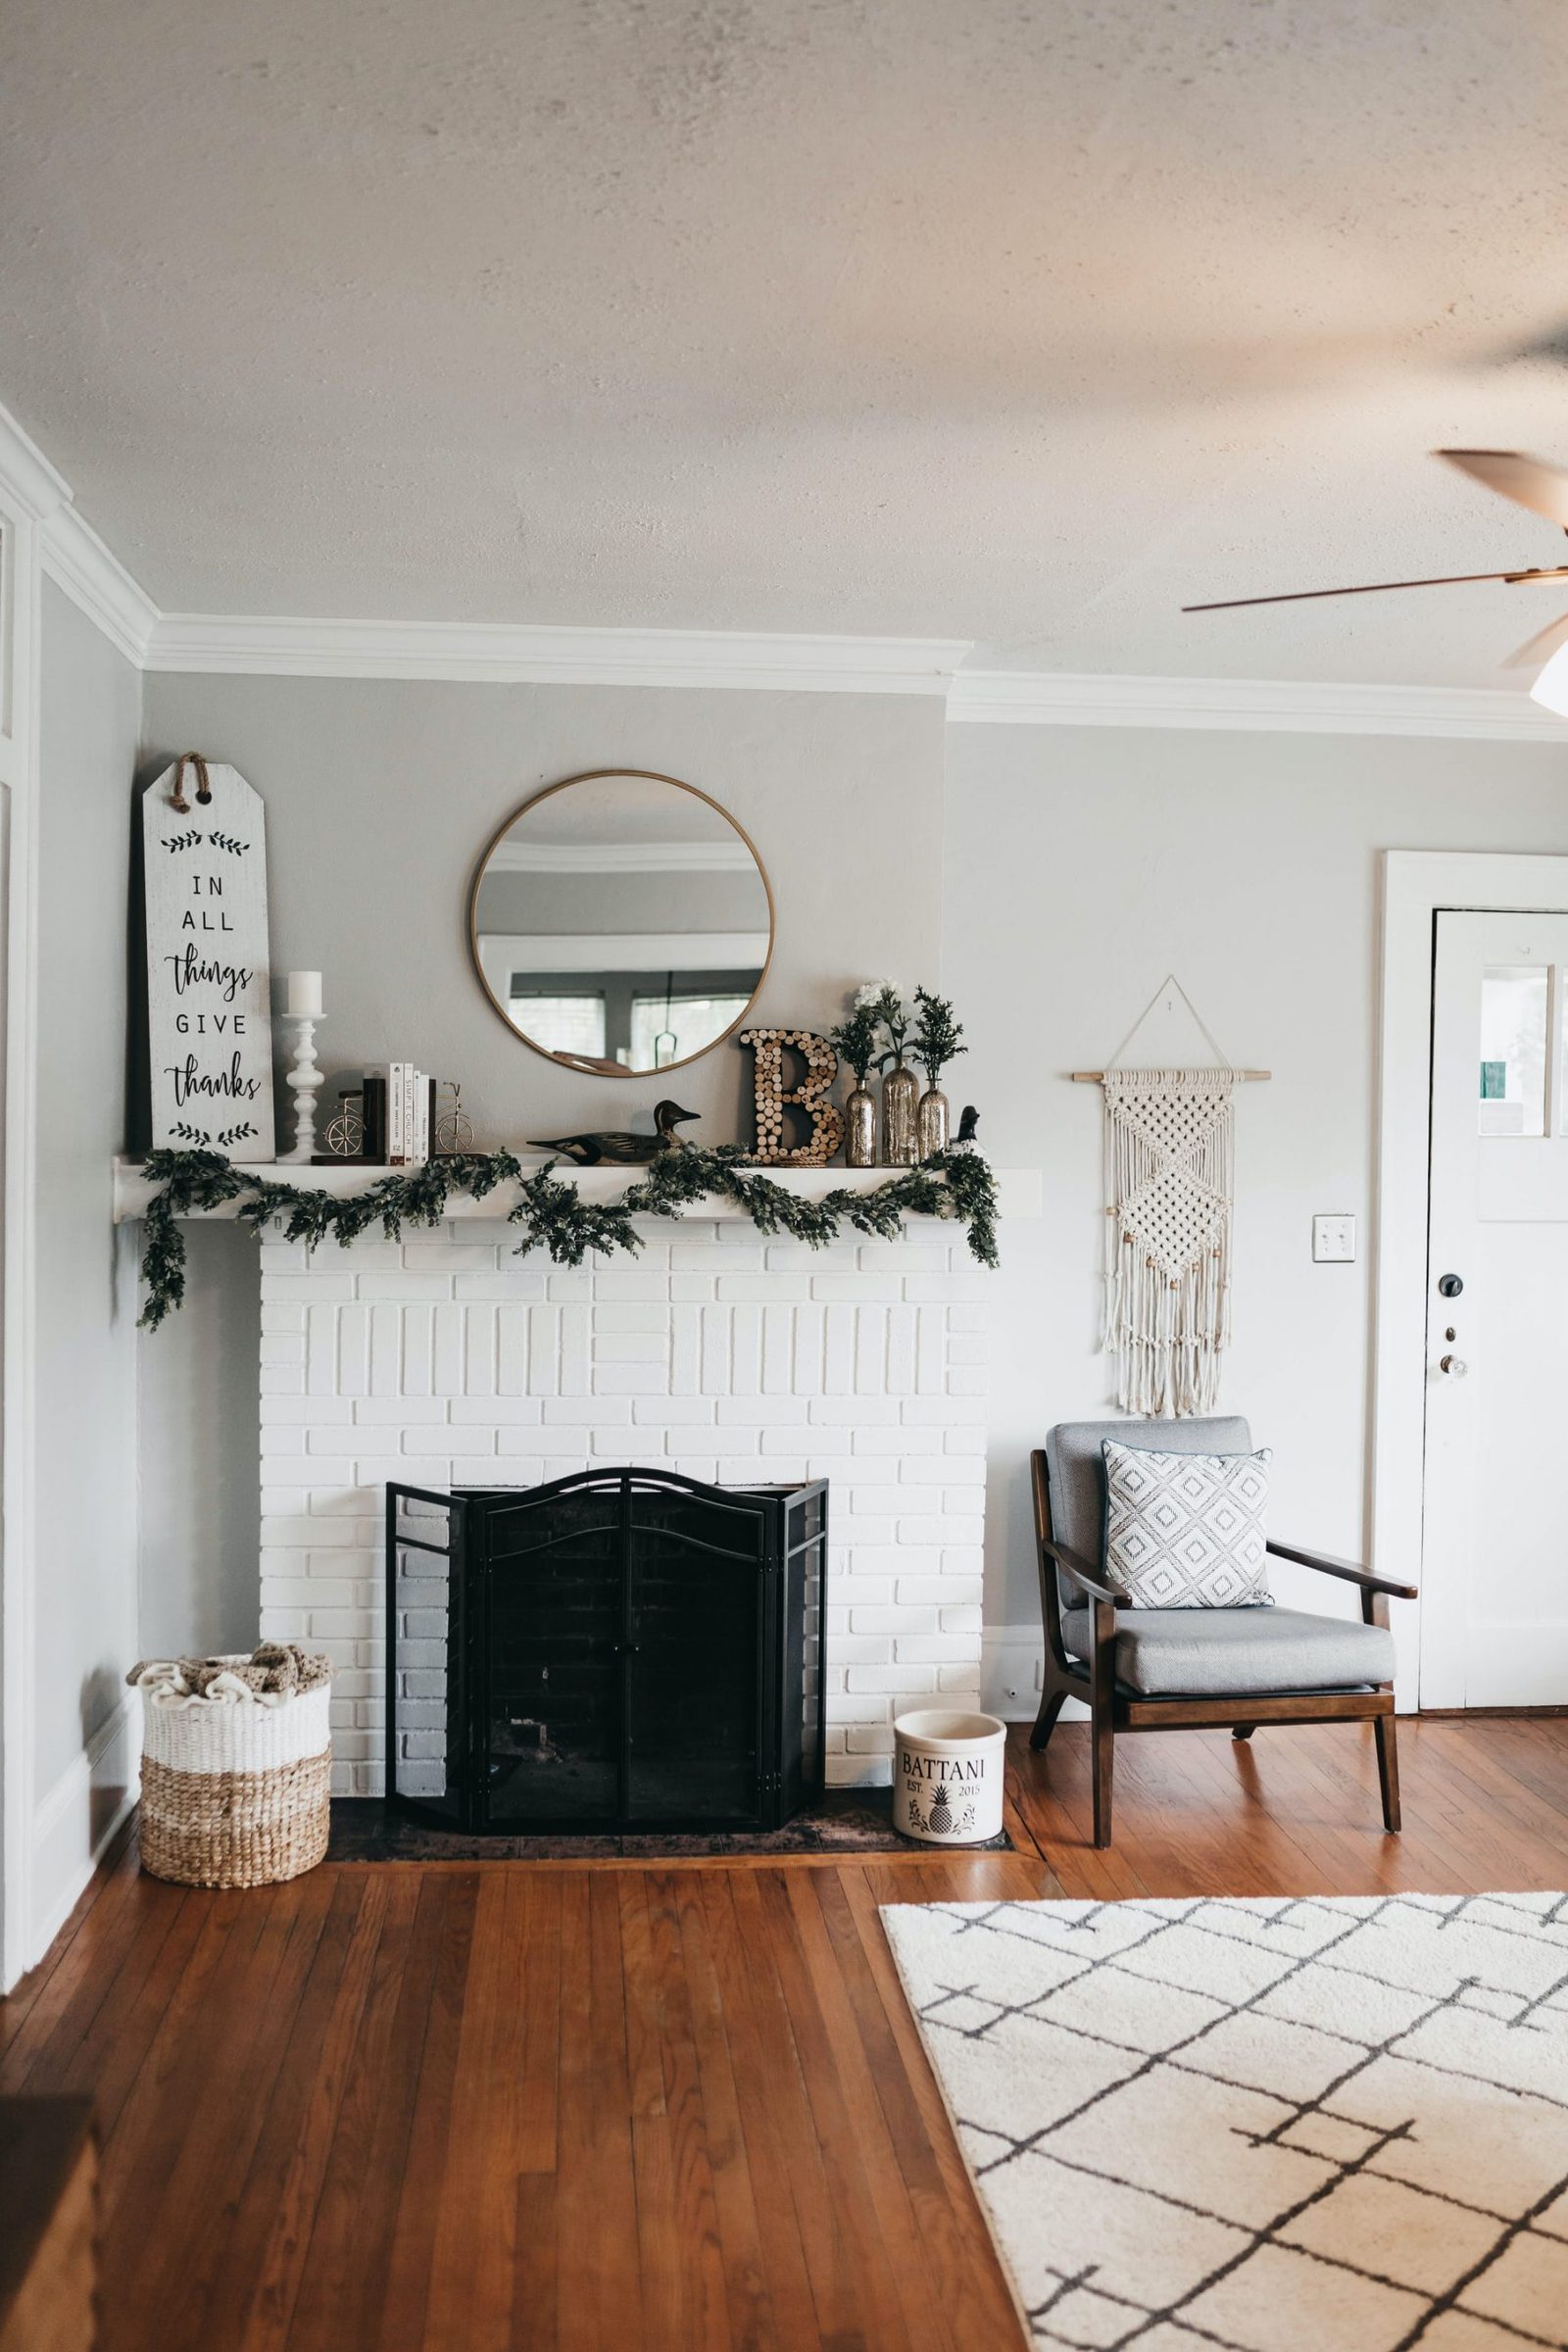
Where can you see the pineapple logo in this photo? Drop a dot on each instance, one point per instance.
(941, 1811)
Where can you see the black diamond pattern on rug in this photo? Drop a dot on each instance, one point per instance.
(1308, 2126)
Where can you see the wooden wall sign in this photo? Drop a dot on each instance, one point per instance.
(208, 1010)
(810, 1095)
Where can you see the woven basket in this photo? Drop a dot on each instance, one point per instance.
(236, 1795)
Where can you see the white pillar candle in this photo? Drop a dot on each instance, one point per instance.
(304, 997)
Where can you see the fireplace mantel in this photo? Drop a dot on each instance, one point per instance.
(1017, 1189)
(443, 1358)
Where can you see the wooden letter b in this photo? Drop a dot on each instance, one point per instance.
(811, 1096)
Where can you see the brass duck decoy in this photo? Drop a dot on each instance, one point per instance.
(624, 1150)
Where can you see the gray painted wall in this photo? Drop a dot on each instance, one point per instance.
(1060, 872)
(622, 903)
(1081, 867)
(380, 798)
(199, 1451)
(84, 1404)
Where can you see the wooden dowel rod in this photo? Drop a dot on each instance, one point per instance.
(1098, 1077)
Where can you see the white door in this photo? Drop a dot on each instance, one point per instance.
(1494, 1555)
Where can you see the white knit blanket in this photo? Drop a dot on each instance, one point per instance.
(161, 1685)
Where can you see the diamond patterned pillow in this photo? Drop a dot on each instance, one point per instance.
(1185, 1531)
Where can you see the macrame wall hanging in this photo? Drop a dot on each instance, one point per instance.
(1169, 1181)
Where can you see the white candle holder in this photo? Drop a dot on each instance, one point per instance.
(305, 1078)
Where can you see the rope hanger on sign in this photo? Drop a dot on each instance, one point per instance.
(1169, 1181)
(204, 789)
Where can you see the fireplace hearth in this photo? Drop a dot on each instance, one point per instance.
(617, 1651)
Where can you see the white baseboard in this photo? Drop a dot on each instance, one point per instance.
(1009, 1671)
(74, 1820)
(1010, 1658)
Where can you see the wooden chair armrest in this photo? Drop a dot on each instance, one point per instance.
(1078, 1570)
(1348, 1571)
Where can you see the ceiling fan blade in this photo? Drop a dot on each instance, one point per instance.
(1539, 648)
(1544, 489)
(1302, 596)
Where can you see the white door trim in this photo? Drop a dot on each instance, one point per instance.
(1416, 885)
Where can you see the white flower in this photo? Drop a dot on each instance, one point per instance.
(870, 993)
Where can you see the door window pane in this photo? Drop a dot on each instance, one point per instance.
(1512, 1087)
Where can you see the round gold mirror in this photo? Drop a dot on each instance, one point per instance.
(621, 922)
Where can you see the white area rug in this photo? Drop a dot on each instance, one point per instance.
(1304, 2126)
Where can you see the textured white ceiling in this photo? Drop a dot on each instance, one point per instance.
(989, 318)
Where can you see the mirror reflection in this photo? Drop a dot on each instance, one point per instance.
(621, 922)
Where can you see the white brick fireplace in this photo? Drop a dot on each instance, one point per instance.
(444, 1359)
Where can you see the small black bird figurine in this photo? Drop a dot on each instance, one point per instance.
(627, 1150)
(968, 1121)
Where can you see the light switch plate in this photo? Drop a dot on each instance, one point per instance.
(1333, 1239)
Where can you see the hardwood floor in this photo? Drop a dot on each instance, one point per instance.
(569, 2107)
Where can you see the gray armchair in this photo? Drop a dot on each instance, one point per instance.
(1146, 1670)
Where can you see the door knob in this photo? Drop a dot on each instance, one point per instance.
(1450, 1286)
(1455, 1366)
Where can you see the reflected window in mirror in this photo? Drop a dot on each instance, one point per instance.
(569, 1024)
(621, 922)
(671, 1028)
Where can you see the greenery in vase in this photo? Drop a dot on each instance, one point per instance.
(882, 1001)
(935, 1040)
(855, 1040)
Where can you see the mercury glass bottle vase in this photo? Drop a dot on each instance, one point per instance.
(932, 1123)
(901, 1094)
(859, 1129)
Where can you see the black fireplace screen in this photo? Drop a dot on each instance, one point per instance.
(620, 1651)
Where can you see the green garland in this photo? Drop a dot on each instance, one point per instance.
(552, 1215)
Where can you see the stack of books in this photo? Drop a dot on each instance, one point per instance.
(410, 1115)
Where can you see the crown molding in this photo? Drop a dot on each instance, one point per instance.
(70, 549)
(1267, 705)
(77, 560)
(529, 654)
(34, 484)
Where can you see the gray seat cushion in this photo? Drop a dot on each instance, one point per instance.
(1075, 1471)
(1223, 1653)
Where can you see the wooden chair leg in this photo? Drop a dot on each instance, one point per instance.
(1242, 1731)
(1105, 1755)
(1103, 1679)
(1051, 1707)
(1388, 1770)
(1375, 1611)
